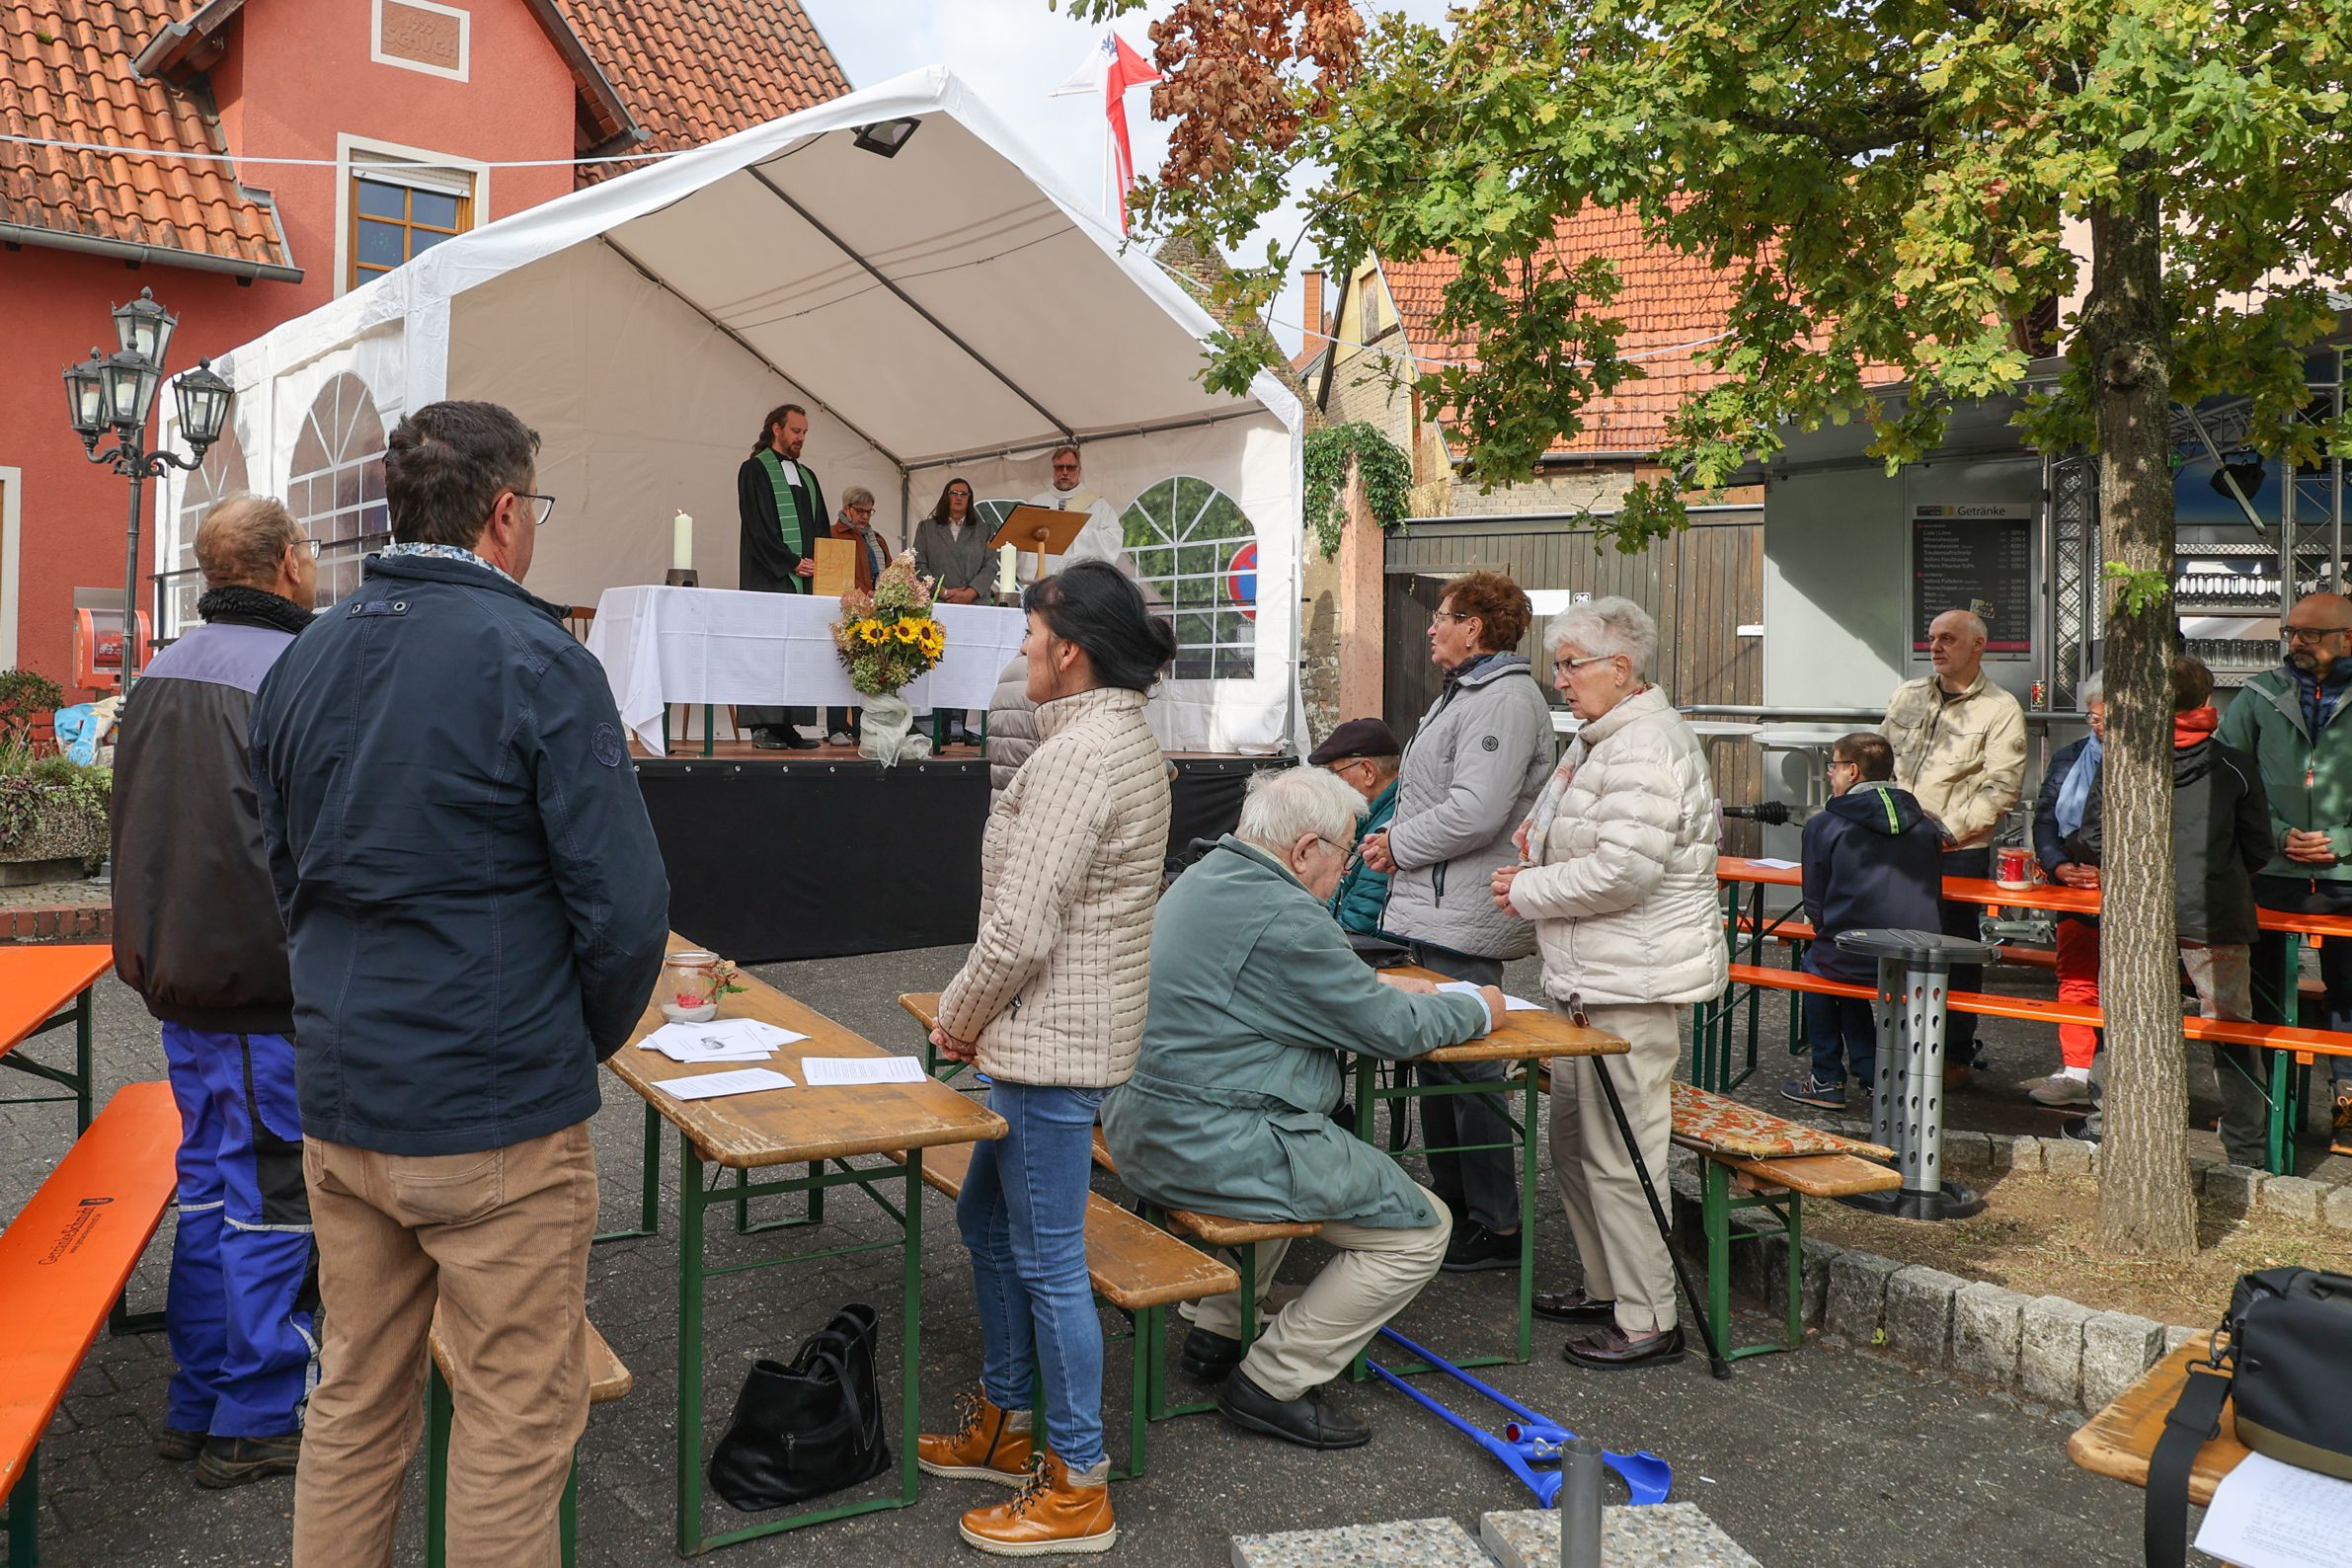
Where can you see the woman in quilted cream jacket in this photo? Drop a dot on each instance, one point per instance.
(1050, 1003)
(1617, 871)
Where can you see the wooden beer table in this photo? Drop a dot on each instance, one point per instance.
(2120, 1442)
(45, 986)
(828, 1131)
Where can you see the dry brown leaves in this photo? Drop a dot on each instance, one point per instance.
(1222, 66)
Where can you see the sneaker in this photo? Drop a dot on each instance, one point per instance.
(2341, 1142)
(2077, 1129)
(1475, 1247)
(234, 1461)
(984, 1446)
(1821, 1093)
(2060, 1089)
(769, 739)
(1051, 1514)
(840, 738)
(176, 1446)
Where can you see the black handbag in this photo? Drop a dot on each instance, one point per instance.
(812, 1426)
(2282, 1357)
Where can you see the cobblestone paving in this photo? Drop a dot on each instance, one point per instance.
(1824, 1458)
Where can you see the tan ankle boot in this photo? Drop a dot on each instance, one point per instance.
(1049, 1515)
(986, 1445)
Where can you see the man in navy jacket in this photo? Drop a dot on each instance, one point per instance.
(1873, 859)
(475, 914)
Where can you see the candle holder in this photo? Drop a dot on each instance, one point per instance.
(686, 578)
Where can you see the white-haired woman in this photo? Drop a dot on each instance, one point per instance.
(1618, 873)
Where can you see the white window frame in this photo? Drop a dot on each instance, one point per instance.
(465, 40)
(395, 164)
(11, 530)
(1175, 546)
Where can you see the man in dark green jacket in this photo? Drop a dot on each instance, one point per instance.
(2292, 721)
(1253, 998)
(1364, 754)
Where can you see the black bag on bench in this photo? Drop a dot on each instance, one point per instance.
(2284, 1364)
(804, 1430)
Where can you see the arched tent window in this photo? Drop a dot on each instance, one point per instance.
(993, 514)
(337, 486)
(221, 475)
(1194, 551)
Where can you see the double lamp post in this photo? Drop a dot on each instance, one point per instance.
(116, 392)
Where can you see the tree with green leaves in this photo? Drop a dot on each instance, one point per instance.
(1899, 187)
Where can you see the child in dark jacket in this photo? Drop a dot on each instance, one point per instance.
(1873, 859)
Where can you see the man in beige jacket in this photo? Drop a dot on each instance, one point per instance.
(1959, 745)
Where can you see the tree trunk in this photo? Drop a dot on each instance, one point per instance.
(2146, 1207)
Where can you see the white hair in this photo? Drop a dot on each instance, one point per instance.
(1605, 627)
(1284, 804)
(1968, 618)
(2092, 688)
(856, 496)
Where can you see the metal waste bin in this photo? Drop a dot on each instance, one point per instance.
(1915, 970)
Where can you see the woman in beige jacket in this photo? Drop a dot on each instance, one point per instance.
(1617, 871)
(1050, 1003)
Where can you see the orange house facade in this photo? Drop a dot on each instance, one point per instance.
(293, 150)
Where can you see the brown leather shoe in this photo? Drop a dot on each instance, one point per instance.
(1574, 1306)
(1611, 1349)
(2341, 1143)
(984, 1446)
(1047, 1518)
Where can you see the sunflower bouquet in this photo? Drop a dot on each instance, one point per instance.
(888, 637)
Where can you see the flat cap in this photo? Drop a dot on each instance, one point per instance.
(1356, 738)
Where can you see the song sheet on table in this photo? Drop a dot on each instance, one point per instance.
(719, 1040)
(2266, 1513)
(1510, 1004)
(1775, 865)
(827, 1072)
(715, 1085)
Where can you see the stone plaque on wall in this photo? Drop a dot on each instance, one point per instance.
(430, 37)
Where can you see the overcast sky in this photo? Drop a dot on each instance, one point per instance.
(1014, 53)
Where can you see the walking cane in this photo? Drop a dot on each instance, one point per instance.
(1616, 1108)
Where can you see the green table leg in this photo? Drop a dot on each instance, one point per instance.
(1715, 1218)
(81, 1063)
(709, 728)
(1527, 1219)
(648, 1201)
(910, 1346)
(689, 1350)
(24, 1514)
(1796, 1271)
(568, 1513)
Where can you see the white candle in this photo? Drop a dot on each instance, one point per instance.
(1005, 569)
(682, 542)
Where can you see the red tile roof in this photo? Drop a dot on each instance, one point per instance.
(1672, 304)
(65, 76)
(693, 70)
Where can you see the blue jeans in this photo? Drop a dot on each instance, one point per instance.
(240, 1308)
(1023, 1214)
(1839, 1027)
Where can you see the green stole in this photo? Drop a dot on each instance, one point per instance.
(788, 511)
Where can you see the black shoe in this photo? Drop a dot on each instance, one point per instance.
(1820, 1093)
(1574, 1306)
(1210, 1357)
(2077, 1129)
(1475, 1247)
(769, 740)
(176, 1446)
(1307, 1421)
(798, 742)
(233, 1461)
(1611, 1349)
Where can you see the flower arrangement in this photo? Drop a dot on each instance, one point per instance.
(888, 637)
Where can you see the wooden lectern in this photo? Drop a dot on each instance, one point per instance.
(1039, 528)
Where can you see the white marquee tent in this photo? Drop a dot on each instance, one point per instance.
(948, 310)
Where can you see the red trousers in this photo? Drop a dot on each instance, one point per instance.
(2077, 982)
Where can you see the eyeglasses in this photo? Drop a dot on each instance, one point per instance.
(542, 507)
(1452, 615)
(1835, 763)
(1334, 843)
(1565, 666)
(2311, 634)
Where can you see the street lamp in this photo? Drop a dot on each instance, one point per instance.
(117, 391)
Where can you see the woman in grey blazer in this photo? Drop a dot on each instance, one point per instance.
(951, 547)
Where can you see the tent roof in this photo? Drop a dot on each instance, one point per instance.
(947, 302)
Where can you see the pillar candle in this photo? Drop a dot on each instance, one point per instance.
(682, 542)
(1005, 569)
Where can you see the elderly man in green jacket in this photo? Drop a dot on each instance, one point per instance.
(1254, 994)
(1363, 754)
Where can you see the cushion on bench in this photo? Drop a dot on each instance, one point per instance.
(66, 1258)
(1717, 1125)
(1134, 1265)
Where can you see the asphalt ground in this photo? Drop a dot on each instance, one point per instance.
(1826, 1457)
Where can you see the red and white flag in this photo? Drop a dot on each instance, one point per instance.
(1111, 67)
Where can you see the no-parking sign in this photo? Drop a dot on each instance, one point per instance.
(1241, 580)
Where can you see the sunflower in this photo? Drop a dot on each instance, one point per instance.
(872, 632)
(907, 632)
